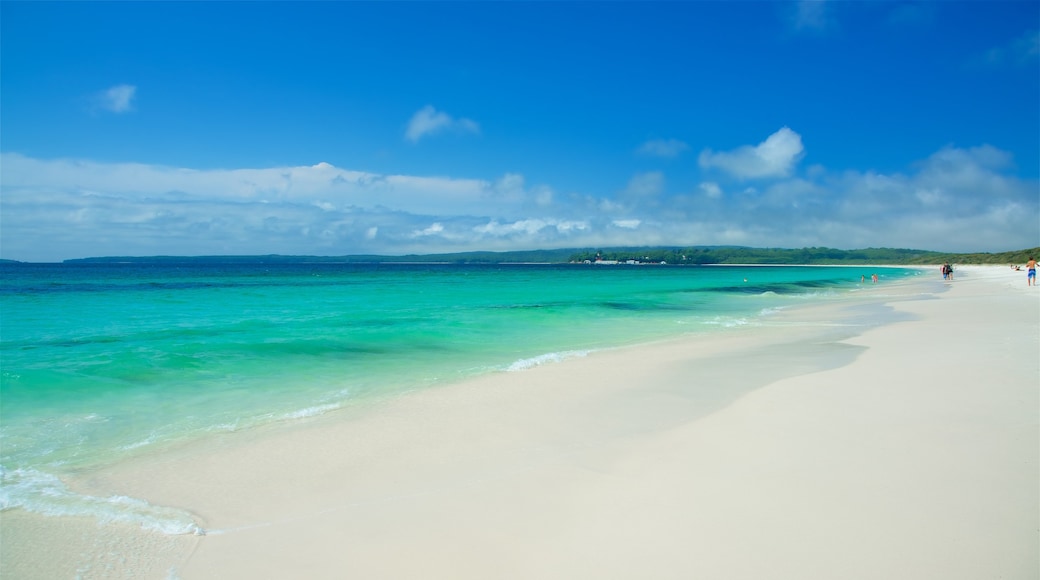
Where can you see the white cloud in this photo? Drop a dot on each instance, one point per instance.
(543, 195)
(627, 224)
(117, 99)
(571, 225)
(317, 184)
(956, 199)
(932, 196)
(774, 157)
(711, 189)
(434, 229)
(528, 227)
(667, 148)
(494, 228)
(509, 188)
(429, 121)
(646, 184)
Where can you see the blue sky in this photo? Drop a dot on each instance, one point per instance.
(188, 128)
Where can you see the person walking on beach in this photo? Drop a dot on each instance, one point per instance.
(1031, 272)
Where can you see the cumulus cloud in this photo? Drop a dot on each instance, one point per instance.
(667, 148)
(117, 99)
(434, 229)
(55, 209)
(774, 157)
(957, 199)
(527, 228)
(322, 184)
(429, 121)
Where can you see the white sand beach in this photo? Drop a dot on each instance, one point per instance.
(799, 449)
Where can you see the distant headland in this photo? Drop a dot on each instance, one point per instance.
(691, 255)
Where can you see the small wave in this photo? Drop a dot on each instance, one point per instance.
(816, 295)
(552, 357)
(311, 411)
(727, 322)
(44, 493)
(137, 445)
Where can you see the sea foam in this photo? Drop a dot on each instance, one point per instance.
(552, 357)
(44, 493)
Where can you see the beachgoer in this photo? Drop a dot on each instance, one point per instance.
(1031, 272)
(945, 269)
(862, 278)
(874, 278)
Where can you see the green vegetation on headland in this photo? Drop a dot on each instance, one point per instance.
(693, 255)
(830, 256)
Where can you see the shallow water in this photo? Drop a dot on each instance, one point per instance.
(101, 362)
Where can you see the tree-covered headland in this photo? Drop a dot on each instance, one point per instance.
(692, 255)
(744, 255)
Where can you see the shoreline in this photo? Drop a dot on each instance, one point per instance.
(663, 460)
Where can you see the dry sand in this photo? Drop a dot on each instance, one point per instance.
(822, 445)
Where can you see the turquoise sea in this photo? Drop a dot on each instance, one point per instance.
(99, 362)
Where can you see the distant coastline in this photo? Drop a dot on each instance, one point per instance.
(691, 255)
